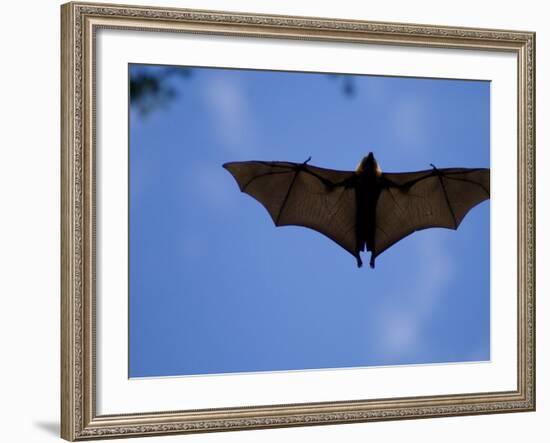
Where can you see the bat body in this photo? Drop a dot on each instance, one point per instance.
(366, 208)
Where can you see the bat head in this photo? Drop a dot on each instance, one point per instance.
(369, 165)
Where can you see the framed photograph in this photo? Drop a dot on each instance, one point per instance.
(399, 162)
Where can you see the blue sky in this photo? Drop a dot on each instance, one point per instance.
(216, 288)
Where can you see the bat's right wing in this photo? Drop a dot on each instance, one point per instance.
(303, 195)
(433, 198)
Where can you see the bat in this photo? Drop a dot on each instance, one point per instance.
(366, 208)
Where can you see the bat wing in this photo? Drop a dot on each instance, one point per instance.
(303, 195)
(410, 202)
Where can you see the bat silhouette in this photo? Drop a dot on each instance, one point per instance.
(366, 207)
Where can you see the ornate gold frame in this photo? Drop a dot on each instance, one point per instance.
(79, 420)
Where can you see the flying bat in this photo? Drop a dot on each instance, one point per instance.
(366, 208)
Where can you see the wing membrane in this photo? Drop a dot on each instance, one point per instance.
(414, 201)
(302, 195)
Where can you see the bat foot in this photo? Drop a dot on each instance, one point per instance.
(359, 261)
(371, 263)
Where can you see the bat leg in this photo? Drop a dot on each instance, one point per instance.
(359, 261)
(371, 263)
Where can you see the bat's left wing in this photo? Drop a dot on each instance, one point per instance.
(303, 195)
(409, 202)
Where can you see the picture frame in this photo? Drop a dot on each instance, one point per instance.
(82, 373)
